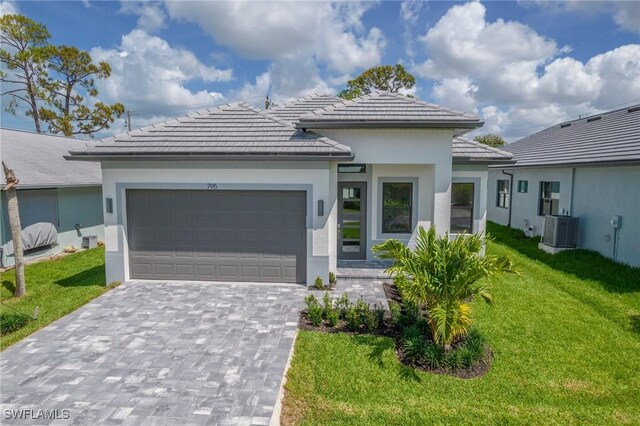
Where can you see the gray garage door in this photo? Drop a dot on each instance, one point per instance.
(217, 235)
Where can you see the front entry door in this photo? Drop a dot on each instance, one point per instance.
(352, 220)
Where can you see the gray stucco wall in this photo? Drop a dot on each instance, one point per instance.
(64, 207)
(594, 195)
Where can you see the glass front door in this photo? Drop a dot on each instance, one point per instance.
(352, 220)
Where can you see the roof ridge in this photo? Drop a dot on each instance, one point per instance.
(484, 146)
(265, 114)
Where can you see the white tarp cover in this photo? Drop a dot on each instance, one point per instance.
(37, 235)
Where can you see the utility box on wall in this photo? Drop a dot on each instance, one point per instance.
(90, 241)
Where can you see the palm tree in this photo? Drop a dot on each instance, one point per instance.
(443, 274)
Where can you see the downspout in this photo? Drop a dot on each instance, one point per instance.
(510, 195)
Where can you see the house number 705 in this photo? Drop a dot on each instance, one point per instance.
(212, 186)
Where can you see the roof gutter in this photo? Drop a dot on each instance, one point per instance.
(205, 157)
(395, 124)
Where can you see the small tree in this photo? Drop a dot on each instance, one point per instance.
(25, 58)
(16, 228)
(490, 139)
(441, 274)
(385, 78)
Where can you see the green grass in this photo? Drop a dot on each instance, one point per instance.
(57, 287)
(566, 343)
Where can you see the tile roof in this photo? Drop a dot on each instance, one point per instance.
(38, 160)
(609, 137)
(383, 109)
(291, 111)
(227, 132)
(469, 151)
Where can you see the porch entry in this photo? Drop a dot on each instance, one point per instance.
(352, 220)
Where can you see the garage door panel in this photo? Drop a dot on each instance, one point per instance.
(217, 235)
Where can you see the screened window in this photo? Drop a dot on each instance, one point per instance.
(397, 199)
(462, 207)
(549, 198)
(523, 186)
(503, 194)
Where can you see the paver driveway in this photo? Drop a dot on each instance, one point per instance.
(159, 353)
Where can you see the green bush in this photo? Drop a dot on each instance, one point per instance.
(422, 351)
(378, 311)
(12, 322)
(332, 278)
(315, 315)
(310, 300)
(319, 284)
(352, 318)
(396, 314)
(342, 305)
(332, 318)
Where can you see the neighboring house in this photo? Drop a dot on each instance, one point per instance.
(587, 168)
(239, 194)
(64, 196)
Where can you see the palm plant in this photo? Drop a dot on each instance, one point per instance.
(442, 274)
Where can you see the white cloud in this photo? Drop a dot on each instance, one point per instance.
(516, 78)
(332, 33)
(627, 15)
(150, 77)
(151, 16)
(409, 13)
(8, 7)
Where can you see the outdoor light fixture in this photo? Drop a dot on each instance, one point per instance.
(320, 207)
(109, 205)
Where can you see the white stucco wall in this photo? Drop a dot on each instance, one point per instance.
(596, 195)
(317, 176)
(525, 205)
(421, 153)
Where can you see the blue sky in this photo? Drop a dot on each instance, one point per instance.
(521, 66)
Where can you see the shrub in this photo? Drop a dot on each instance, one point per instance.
(369, 320)
(442, 274)
(319, 284)
(396, 314)
(327, 305)
(342, 305)
(352, 318)
(378, 311)
(332, 278)
(12, 322)
(332, 318)
(315, 315)
(310, 300)
(414, 344)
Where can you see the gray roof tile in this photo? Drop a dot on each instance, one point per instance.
(387, 109)
(466, 150)
(235, 130)
(38, 160)
(291, 111)
(612, 136)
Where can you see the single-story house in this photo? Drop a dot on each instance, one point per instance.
(59, 201)
(234, 193)
(587, 168)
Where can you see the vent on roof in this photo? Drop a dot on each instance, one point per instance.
(634, 109)
(589, 120)
(562, 126)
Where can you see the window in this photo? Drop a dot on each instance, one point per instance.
(352, 168)
(397, 200)
(523, 186)
(549, 198)
(503, 194)
(462, 207)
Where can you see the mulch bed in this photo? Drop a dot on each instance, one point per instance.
(393, 296)
(329, 287)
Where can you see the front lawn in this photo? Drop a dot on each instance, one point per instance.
(57, 287)
(566, 342)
